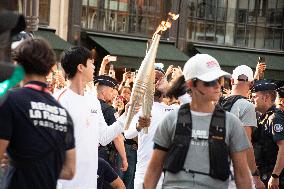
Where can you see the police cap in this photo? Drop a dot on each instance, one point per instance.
(106, 80)
(264, 85)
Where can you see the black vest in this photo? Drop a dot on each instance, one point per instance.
(218, 149)
(265, 149)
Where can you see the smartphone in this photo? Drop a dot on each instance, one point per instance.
(112, 58)
(261, 59)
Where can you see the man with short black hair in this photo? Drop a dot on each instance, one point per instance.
(85, 110)
(268, 138)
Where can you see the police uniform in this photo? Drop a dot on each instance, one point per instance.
(108, 113)
(270, 130)
(107, 152)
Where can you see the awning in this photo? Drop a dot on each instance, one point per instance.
(229, 58)
(58, 44)
(131, 51)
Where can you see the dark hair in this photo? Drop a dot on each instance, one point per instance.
(177, 88)
(72, 57)
(35, 55)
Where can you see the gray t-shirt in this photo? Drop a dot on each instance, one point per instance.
(198, 154)
(245, 111)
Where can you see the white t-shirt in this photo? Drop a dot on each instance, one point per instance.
(245, 111)
(90, 129)
(145, 141)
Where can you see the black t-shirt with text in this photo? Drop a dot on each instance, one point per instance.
(39, 131)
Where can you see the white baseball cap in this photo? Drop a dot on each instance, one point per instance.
(203, 67)
(243, 70)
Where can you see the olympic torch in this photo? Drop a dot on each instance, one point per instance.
(143, 87)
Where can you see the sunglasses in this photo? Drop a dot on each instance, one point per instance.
(209, 83)
(244, 80)
(212, 83)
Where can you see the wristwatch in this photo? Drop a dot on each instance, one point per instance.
(255, 173)
(274, 175)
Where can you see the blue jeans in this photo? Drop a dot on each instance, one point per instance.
(128, 176)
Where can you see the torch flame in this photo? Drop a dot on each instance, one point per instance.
(174, 16)
(164, 25)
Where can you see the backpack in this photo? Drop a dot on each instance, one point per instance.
(228, 102)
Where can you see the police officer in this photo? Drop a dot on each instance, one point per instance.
(105, 86)
(268, 138)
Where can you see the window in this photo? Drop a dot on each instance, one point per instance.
(240, 35)
(250, 36)
(122, 16)
(220, 33)
(15, 5)
(44, 11)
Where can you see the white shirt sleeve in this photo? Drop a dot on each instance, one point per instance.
(108, 133)
(131, 132)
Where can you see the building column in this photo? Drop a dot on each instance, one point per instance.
(230, 25)
(59, 17)
(74, 22)
(179, 27)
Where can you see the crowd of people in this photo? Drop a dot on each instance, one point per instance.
(63, 128)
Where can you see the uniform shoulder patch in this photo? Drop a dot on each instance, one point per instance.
(278, 128)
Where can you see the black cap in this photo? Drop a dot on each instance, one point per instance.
(264, 85)
(106, 80)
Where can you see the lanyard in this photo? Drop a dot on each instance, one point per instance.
(37, 87)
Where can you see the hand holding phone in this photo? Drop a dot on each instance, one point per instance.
(112, 58)
(261, 63)
(260, 67)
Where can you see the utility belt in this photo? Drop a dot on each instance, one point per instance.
(106, 148)
(132, 143)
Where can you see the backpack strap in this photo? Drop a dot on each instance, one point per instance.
(184, 125)
(228, 102)
(218, 149)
